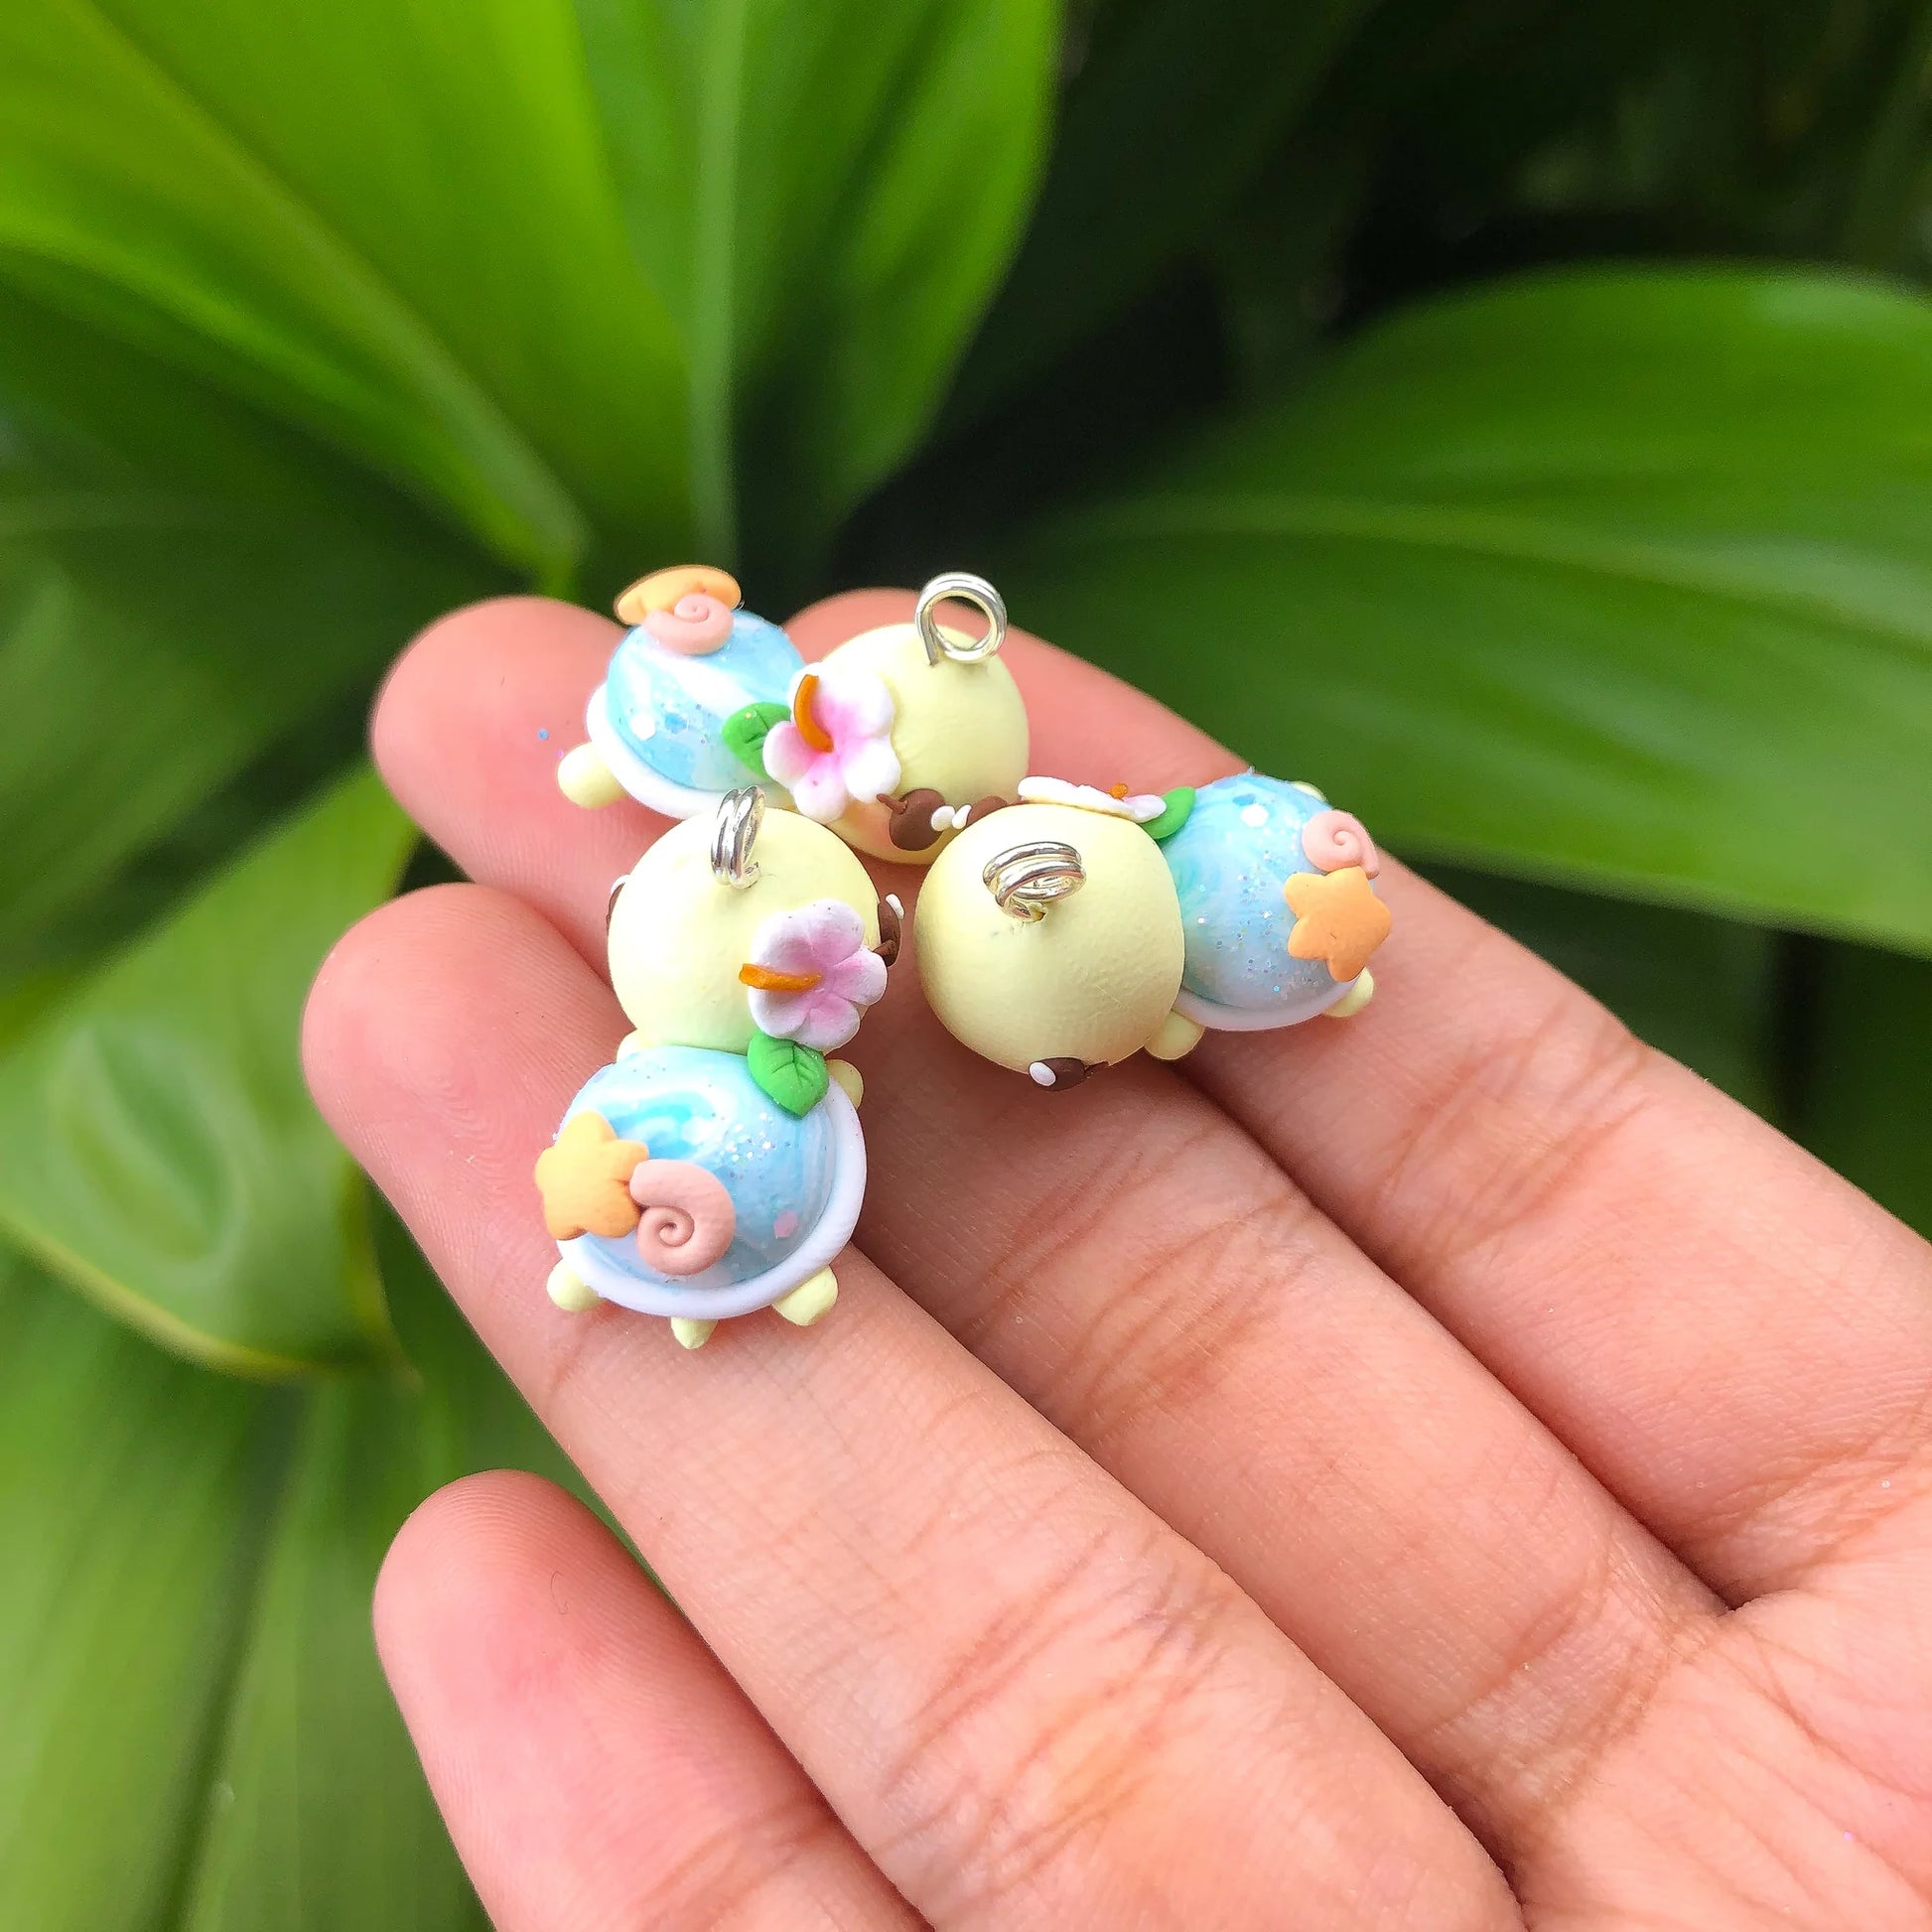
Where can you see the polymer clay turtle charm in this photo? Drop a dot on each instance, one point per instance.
(1276, 907)
(1080, 926)
(901, 735)
(715, 1166)
(659, 723)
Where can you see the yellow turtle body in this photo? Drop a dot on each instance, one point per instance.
(1091, 981)
(678, 937)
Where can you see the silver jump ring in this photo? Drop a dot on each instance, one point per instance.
(734, 833)
(1025, 880)
(968, 588)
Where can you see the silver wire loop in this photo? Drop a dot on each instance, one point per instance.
(734, 833)
(1025, 880)
(968, 588)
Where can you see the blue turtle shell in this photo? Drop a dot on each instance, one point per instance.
(668, 709)
(1230, 862)
(796, 1182)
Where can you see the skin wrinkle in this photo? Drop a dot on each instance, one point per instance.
(1089, 1760)
(1602, 1077)
(722, 1878)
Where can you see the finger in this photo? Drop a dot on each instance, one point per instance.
(594, 1763)
(1470, 1587)
(1029, 1701)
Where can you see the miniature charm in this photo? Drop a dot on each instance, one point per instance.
(660, 723)
(902, 734)
(715, 1166)
(1082, 925)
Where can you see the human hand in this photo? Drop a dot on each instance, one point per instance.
(1444, 1469)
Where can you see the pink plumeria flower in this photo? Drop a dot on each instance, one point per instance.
(813, 975)
(836, 748)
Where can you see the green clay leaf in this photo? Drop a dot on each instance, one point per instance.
(163, 1154)
(791, 1077)
(746, 731)
(1181, 808)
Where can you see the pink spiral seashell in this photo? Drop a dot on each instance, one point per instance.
(1333, 840)
(688, 1219)
(695, 624)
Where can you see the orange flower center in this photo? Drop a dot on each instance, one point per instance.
(805, 718)
(768, 980)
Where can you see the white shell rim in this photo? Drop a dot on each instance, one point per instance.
(827, 1240)
(1256, 1019)
(651, 787)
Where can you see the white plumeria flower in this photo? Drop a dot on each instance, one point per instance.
(1143, 807)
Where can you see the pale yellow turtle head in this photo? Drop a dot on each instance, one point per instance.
(679, 934)
(1091, 979)
(958, 729)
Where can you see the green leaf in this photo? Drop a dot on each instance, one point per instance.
(746, 731)
(161, 1152)
(1179, 810)
(791, 1077)
(182, 583)
(320, 1817)
(1866, 1092)
(198, 1734)
(131, 1500)
(393, 227)
(825, 195)
(1167, 111)
(1620, 576)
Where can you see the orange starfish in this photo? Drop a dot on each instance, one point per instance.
(586, 1180)
(1338, 917)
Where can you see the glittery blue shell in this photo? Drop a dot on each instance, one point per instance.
(690, 1103)
(670, 709)
(1230, 862)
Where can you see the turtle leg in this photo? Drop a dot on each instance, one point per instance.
(810, 1300)
(852, 1083)
(1177, 1035)
(585, 779)
(1356, 998)
(689, 1334)
(569, 1290)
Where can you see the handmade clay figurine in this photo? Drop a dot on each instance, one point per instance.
(660, 724)
(715, 1166)
(1080, 926)
(901, 735)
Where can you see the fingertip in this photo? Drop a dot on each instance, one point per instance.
(462, 1561)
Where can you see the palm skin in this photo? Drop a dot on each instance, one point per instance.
(1448, 1468)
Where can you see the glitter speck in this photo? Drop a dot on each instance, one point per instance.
(542, 734)
(1254, 814)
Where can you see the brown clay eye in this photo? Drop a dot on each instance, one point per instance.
(890, 928)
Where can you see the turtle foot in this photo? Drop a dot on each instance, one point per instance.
(1356, 998)
(569, 1290)
(689, 1334)
(585, 779)
(1175, 1036)
(811, 1301)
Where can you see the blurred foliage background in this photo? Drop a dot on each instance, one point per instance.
(1521, 411)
